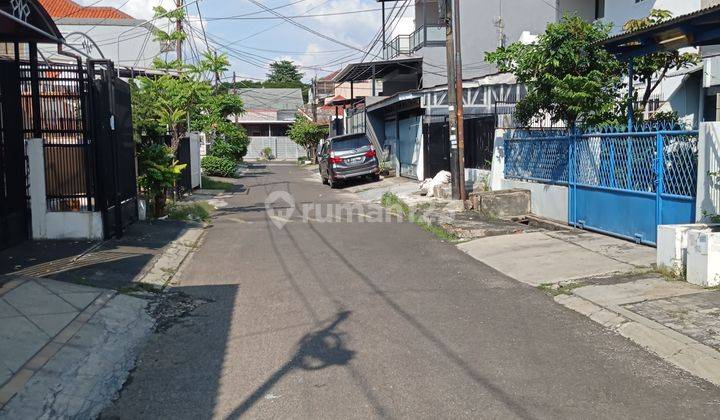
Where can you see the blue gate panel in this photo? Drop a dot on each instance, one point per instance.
(677, 210)
(617, 212)
(624, 184)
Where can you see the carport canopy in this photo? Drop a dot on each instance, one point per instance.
(27, 21)
(691, 30)
(376, 69)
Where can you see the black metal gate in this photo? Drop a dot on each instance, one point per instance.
(13, 202)
(479, 141)
(114, 147)
(437, 147)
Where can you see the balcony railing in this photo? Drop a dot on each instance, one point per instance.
(407, 44)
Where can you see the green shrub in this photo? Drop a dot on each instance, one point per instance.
(199, 210)
(218, 166)
(224, 149)
(267, 153)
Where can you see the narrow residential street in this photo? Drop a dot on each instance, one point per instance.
(359, 320)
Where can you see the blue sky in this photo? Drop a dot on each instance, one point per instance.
(259, 41)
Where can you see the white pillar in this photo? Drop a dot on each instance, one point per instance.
(36, 175)
(708, 187)
(497, 171)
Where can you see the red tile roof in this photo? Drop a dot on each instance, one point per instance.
(58, 9)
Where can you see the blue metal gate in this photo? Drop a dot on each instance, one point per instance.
(623, 184)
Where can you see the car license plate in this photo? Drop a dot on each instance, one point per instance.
(356, 160)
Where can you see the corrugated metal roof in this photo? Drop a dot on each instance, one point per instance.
(666, 23)
(58, 9)
(271, 98)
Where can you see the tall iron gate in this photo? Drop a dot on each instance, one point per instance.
(437, 147)
(59, 92)
(111, 131)
(13, 205)
(624, 184)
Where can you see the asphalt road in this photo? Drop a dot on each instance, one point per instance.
(360, 320)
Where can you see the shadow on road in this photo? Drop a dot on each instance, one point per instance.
(315, 351)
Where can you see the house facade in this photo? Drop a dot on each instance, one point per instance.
(484, 26)
(267, 117)
(104, 32)
(408, 116)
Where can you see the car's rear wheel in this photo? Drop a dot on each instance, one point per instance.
(333, 183)
(375, 177)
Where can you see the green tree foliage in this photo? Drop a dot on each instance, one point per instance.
(284, 72)
(651, 69)
(307, 134)
(159, 171)
(567, 73)
(179, 101)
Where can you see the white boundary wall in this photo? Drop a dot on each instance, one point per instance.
(282, 148)
(51, 224)
(546, 200)
(708, 188)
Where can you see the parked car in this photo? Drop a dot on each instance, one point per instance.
(348, 156)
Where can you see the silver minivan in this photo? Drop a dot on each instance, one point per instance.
(348, 156)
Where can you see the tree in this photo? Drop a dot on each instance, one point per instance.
(163, 104)
(307, 134)
(284, 72)
(651, 69)
(567, 72)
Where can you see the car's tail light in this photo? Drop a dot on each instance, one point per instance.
(334, 159)
(371, 153)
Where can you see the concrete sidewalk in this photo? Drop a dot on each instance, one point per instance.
(559, 256)
(612, 282)
(66, 348)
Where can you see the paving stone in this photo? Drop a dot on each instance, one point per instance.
(32, 299)
(5, 374)
(86, 373)
(61, 287)
(80, 300)
(53, 323)
(19, 341)
(6, 310)
(696, 315)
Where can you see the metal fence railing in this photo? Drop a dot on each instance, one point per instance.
(539, 157)
(61, 92)
(631, 161)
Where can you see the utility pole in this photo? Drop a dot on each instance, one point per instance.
(455, 94)
(235, 93)
(459, 99)
(314, 99)
(179, 30)
(383, 30)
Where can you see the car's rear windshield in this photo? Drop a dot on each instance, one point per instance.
(350, 143)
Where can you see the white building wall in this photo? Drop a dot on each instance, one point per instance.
(51, 224)
(618, 12)
(137, 45)
(708, 187)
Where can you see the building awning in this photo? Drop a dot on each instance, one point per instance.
(26, 21)
(691, 30)
(377, 69)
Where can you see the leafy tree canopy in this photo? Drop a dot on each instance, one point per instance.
(651, 69)
(567, 73)
(307, 134)
(284, 72)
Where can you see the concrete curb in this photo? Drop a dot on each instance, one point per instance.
(165, 265)
(680, 350)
